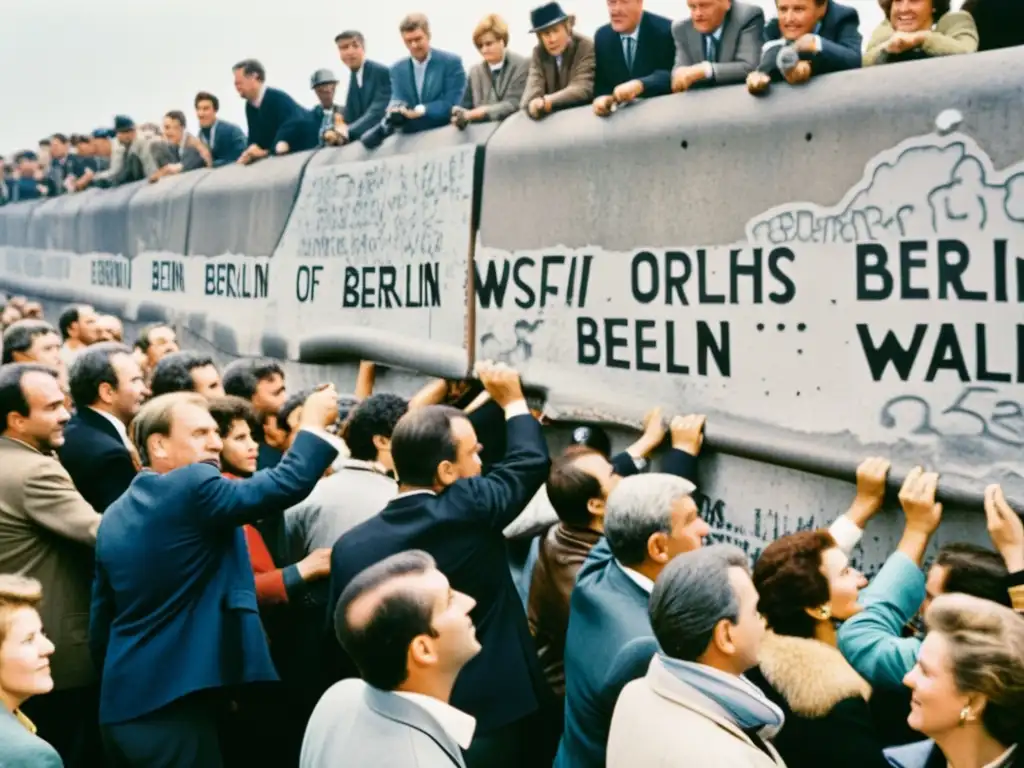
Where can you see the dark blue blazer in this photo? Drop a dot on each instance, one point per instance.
(174, 600)
(365, 107)
(443, 87)
(652, 64)
(462, 528)
(96, 458)
(275, 111)
(840, 40)
(229, 142)
(607, 610)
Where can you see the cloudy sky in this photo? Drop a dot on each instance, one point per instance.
(70, 66)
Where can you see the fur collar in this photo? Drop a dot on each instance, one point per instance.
(811, 676)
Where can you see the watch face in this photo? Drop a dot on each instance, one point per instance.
(580, 435)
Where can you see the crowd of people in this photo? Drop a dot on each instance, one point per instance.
(637, 55)
(200, 567)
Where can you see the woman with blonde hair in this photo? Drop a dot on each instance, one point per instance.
(24, 672)
(967, 688)
(495, 86)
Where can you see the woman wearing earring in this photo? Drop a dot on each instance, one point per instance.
(805, 583)
(967, 688)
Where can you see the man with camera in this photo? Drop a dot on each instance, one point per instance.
(424, 88)
(808, 37)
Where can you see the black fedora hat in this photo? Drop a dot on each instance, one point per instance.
(546, 16)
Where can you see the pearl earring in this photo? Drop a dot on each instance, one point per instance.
(965, 715)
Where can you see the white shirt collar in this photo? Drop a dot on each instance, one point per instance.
(499, 65)
(423, 64)
(455, 723)
(635, 34)
(122, 431)
(259, 99)
(359, 74)
(638, 578)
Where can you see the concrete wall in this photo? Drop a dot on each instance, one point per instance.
(743, 257)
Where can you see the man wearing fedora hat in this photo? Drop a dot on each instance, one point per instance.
(562, 69)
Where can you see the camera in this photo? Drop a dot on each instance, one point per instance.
(392, 121)
(787, 59)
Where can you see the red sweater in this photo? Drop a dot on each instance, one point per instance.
(270, 588)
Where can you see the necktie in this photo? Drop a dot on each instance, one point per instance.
(711, 47)
(629, 45)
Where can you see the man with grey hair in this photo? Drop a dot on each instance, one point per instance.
(704, 615)
(649, 520)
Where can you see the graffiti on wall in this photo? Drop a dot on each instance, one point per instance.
(894, 314)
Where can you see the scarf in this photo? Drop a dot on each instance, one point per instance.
(741, 700)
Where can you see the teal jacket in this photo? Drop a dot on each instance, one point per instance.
(20, 748)
(871, 641)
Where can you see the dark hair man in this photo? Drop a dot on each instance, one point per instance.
(155, 342)
(185, 151)
(191, 625)
(186, 372)
(267, 110)
(446, 507)
(369, 86)
(78, 329)
(44, 523)
(108, 389)
(410, 634)
(226, 140)
(32, 341)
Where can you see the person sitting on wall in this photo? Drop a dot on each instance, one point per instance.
(563, 65)
(720, 44)
(497, 83)
(920, 29)
(821, 36)
(635, 53)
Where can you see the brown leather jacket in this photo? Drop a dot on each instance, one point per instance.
(562, 552)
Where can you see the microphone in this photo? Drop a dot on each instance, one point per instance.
(787, 59)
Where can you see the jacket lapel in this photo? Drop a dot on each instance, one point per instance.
(394, 707)
(96, 421)
(696, 43)
(730, 36)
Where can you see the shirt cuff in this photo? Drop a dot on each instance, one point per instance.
(420, 110)
(517, 408)
(640, 462)
(817, 43)
(846, 533)
(709, 70)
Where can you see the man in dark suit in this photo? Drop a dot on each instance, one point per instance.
(369, 86)
(648, 521)
(635, 53)
(825, 35)
(107, 388)
(226, 140)
(446, 508)
(425, 86)
(720, 44)
(174, 619)
(267, 110)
